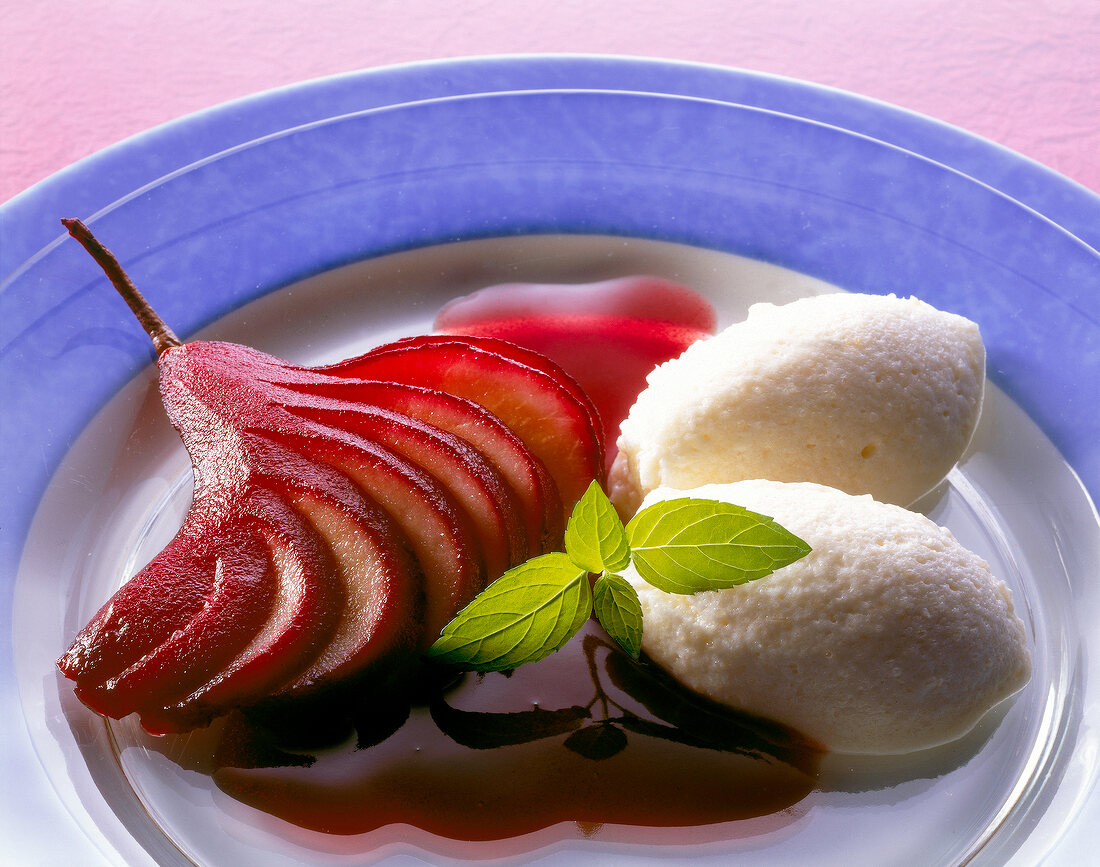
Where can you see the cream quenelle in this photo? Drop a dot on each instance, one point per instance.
(888, 637)
(864, 393)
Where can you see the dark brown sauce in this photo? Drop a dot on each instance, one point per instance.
(587, 737)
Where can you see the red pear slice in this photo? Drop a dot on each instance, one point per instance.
(437, 530)
(513, 352)
(237, 604)
(304, 616)
(370, 625)
(366, 633)
(495, 441)
(152, 606)
(558, 427)
(143, 612)
(607, 335)
(491, 504)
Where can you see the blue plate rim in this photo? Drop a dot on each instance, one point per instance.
(87, 186)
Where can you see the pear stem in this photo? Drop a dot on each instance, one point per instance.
(163, 337)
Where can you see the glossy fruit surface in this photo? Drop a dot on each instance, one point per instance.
(341, 516)
(542, 404)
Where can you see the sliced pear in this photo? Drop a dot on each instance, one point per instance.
(485, 432)
(560, 428)
(368, 565)
(478, 486)
(238, 602)
(303, 617)
(328, 542)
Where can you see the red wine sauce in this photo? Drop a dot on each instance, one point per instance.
(607, 335)
(584, 739)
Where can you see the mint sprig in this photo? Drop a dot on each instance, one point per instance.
(687, 545)
(680, 546)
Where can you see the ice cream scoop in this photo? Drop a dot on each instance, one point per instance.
(865, 393)
(888, 637)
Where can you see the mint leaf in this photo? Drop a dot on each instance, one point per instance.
(619, 611)
(688, 545)
(524, 616)
(595, 537)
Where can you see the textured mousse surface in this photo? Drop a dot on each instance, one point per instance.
(866, 393)
(889, 637)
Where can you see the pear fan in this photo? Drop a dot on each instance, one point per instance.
(341, 516)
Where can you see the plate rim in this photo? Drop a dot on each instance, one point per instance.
(72, 185)
(97, 180)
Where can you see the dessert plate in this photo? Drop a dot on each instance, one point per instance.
(745, 203)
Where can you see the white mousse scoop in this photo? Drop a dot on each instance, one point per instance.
(889, 637)
(866, 393)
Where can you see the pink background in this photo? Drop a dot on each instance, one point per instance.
(78, 76)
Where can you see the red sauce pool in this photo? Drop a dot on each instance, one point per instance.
(607, 335)
(585, 739)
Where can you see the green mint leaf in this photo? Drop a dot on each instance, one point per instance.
(687, 545)
(524, 616)
(595, 538)
(619, 611)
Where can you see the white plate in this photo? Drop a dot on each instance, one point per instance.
(861, 214)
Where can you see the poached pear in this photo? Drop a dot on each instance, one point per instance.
(341, 516)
